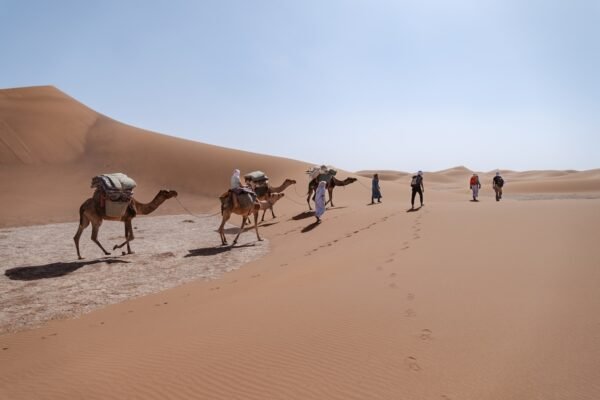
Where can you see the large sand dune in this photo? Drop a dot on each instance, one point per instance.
(456, 300)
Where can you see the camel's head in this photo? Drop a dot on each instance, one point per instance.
(351, 180)
(290, 181)
(167, 194)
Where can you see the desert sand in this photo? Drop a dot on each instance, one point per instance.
(456, 300)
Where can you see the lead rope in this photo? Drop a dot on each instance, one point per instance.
(194, 215)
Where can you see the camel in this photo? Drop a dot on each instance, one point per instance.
(266, 196)
(246, 206)
(91, 212)
(312, 186)
(267, 203)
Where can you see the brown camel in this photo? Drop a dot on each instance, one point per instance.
(91, 211)
(246, 206)
(266, 196)
(312, 187)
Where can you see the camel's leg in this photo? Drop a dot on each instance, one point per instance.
(272, 212)
(226, 216)
(242, 228)
(128, 237)
(256, 225)
(330, 197)
(263, 216)
(308, 199)
(83, 223)
(95, 229)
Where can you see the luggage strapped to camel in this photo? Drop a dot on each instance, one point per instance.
(259, 182)
(115, 192)
(321, 173)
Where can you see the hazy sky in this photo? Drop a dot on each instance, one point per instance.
(367, 84)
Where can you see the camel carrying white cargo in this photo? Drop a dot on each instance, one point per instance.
(117, 189)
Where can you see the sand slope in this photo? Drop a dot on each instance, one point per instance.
(51, 146)
(457, 300)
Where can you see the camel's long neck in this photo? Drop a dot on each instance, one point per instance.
(345, 182)
(147, 208)
(281, 188)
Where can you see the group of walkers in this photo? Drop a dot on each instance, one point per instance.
(497, 184)
(416, 184)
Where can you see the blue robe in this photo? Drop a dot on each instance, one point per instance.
(376, 193)
(320, 199)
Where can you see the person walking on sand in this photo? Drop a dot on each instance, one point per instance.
(497, 184)
(375, 190)
(320, 200)
(475, 185)
(417, 186)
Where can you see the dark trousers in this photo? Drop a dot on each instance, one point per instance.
(414, 193)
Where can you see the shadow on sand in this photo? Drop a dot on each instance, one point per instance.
(213, 251)
(413, 209)
(54, 270)
(310, 227)
(303, 215)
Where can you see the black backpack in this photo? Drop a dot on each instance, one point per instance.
(499, 181)
(416, 181)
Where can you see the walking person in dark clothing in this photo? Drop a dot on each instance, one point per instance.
(416, 184)
(497, 184)
(375, 190)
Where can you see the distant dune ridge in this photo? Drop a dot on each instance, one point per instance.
(456, 300)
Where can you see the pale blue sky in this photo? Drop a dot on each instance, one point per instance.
(399, 85)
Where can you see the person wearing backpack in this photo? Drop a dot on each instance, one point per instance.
(475, 185)
(497, 184)
(416, 184)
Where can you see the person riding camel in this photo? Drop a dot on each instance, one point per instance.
(235, 187)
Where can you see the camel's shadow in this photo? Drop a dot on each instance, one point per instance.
(303, 215)
(53, 270)
(213, 251)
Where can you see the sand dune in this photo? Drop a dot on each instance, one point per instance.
(456, 300)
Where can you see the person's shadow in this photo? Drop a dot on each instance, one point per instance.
(310, 227)
(413, 209)
(54, 270)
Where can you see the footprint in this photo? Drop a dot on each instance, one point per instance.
(410, 313)
(255, 276)
(215, 288)
(393, 274)
(426, 334)
(412, 363)
(5, 348)
(379, 268)
(405, 248)
(410, 296)
(393, 285)
(389, 260)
